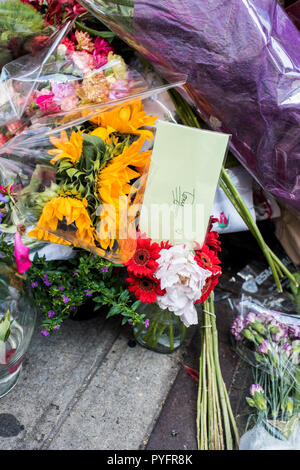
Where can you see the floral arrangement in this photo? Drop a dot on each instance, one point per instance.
(174, 276)
(83, 71)
(270, 341)
(61, 288)
(92, 178)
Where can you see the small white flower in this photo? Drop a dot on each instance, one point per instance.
(183, 280)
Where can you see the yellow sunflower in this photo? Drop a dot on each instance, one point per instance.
(114, 183)
(73, 211)
(68, 149)
(127, 120)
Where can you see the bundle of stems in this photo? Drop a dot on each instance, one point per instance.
(279, 270)
(216, 426)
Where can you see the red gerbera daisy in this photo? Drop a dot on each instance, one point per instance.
(212, 241)
(143, 262)
(208, 259)
(145, 288)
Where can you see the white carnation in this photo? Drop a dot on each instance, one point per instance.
(183, 280)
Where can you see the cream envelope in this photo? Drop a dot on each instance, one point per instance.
(182, 181)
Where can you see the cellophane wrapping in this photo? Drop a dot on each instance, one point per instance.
(83, 185)
(242, 59)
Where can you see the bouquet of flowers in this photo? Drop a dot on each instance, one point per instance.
(171, 280)
(25, 25)
(68, 79)
(270, 342)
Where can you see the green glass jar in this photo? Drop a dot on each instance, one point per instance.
(164, 332)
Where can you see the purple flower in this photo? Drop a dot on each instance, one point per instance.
(73, 307)
(282, 331)
(51, 313)
(88, 293)
(264, 347)
(62, 90)
(65, 299)
(130, 322)
(45, 332)
(3, 198)
(104, 270)
(250, 318)
(256, 388)
(75, 273)
(34, 284)
(61, 288)
(237, 327)
(118, 90)
(57, 327)
(47, 283)
(95, 256)
(147, 323)
(294, 331)
(287, 347)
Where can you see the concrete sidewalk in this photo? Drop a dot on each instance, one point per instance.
(85, 388)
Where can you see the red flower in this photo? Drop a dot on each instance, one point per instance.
(207, 259)
(145, 288)
(165, 245)
(70, 45)
(3, 139)
(212, 241)
(143, 262)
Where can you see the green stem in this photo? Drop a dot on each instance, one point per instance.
(244, 212)
(109, 35)
(222, 388)
(171, 337)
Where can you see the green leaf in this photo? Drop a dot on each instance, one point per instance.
(5, 326)
(115, 310)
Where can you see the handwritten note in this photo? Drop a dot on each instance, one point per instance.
(183, 177)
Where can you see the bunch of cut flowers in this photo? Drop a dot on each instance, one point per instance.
(72, 73)
(270, 342)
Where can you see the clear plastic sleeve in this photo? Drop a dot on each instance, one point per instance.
(270, 341)
(70, 79)
(84, 186)
(243, 64)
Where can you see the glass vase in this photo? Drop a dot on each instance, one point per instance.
(15, 297)
(165, 331)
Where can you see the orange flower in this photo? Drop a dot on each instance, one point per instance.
(127, 120)
(68, 149)
(70, 210)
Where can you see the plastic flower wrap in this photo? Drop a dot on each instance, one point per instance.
(242, 59)
(25, 25)
(74, 75)
(270, 342)
(83, 186)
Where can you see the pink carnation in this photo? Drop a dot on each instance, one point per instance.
(68, 103)
(99, 59)
(102, 46)
(47, 104)
(62, 90)
(83, 60)
(70, 45)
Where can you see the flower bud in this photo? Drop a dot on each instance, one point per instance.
(248, 334)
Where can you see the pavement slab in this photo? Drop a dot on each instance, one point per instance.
(86, 389)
